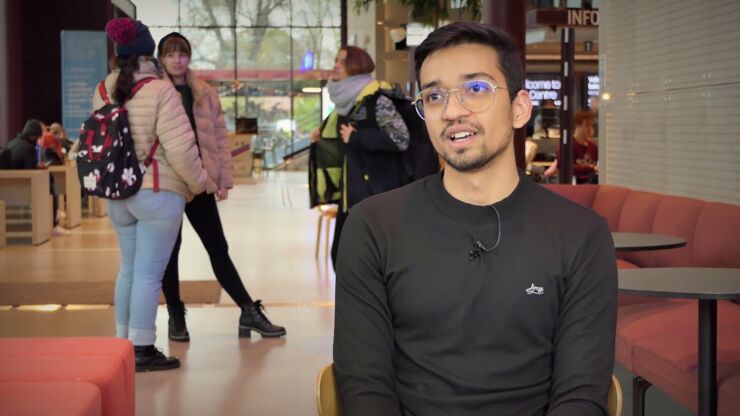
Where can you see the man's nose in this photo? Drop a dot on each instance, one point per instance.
(454, 108)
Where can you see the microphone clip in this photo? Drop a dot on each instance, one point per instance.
(478, 249)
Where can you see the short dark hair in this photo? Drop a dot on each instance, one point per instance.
(173, 42)
(358, 61)
(460, 33)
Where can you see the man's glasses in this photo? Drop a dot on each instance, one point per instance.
(475, 95)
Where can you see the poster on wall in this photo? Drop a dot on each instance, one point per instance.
(84, 65)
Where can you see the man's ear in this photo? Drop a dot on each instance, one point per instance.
(521, 109)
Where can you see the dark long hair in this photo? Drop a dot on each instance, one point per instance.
(124, 84)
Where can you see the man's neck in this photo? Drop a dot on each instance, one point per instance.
(485, 186)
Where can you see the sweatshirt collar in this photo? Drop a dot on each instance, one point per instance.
(478, 214)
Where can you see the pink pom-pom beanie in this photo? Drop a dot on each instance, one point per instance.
(132, 38)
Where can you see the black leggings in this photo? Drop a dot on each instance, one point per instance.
(202, 213)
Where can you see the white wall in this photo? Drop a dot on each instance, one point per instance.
(672, 125)
(361, 28)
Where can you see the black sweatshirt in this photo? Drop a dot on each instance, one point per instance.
(424, 328)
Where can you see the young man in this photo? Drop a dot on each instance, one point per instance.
(585, 151)
(474, 291)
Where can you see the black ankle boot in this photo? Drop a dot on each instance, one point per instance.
(177, 330)
(149, 358)
(253, 318)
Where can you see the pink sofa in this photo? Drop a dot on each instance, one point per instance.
(31, 364)
(657, 338)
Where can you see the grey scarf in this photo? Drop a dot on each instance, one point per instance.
(343, 93)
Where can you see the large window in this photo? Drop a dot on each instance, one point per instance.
(268, 59)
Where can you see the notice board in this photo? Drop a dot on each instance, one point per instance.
(84, 65)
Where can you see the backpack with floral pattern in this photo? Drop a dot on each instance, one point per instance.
(106, 163)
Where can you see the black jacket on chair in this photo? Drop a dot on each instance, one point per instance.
(22, 153)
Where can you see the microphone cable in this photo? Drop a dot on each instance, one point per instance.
(478, 247)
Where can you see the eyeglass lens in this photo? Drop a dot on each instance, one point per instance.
(474, 95)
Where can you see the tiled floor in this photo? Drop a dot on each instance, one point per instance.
(271, 232)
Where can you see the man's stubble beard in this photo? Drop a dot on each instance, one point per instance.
(458, 160)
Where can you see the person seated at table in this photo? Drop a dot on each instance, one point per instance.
(53, 154)
(61, 134)
(585, 150)
(21, 154)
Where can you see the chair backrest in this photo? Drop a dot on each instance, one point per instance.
(614, 402)
(326, 393)
(327, 399)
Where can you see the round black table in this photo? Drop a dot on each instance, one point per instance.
(707, 285)
(645, 241)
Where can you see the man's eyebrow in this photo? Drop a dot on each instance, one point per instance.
(467, 77)
(476, 75)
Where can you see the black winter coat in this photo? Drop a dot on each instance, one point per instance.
(374, 162)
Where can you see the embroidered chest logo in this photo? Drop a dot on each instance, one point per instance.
(535, 290)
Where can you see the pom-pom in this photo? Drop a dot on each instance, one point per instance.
(121, 30)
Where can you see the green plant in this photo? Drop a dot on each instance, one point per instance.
(429, 12)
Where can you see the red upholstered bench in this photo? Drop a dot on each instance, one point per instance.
(58, 398)
(106, 362)
(670, 363)
(657, 338)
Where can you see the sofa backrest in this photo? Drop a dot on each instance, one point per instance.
(608, 203)
(637, 216)
(711, 229)
(717, 236)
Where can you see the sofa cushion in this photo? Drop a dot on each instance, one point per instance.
(580, 194)
(104, 372)
(638, 324)
(608, 203)
(670, 362)
(59, 398)
(716, 242)
(643, 320)
(117, 352)
(638, 214)
(624, 264)
(676, 216)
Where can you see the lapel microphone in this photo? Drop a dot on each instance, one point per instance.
(478, 247)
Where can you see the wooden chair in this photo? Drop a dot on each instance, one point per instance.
(614, 402)
(328, 212)
(328, 400)
(326, 392)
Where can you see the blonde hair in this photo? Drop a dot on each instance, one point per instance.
(58, 131)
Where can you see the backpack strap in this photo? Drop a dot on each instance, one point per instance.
(139, 84)
(151, 161)
(103, 92)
